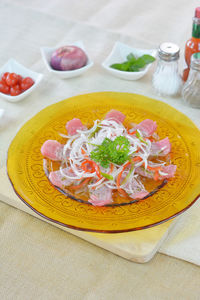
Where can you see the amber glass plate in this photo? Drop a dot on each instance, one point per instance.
(25, 164)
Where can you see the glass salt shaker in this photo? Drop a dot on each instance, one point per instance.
(191, 89)
(166, 79)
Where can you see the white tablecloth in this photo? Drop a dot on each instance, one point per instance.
(34, 256)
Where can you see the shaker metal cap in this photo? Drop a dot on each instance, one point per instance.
(168, 51)
(195, 61)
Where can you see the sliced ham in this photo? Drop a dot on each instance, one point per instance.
(135, 189)
(59, 180)
(139, 195)
(166, 172)
(101, 196)
(161, 148)
(73, 125)
(169, 170)
(115, 115)
(52, 149)
(147, 127)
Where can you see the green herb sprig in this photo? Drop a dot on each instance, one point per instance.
(109, 151)
(134, 64)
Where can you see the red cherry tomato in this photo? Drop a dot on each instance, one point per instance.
(15, 90)
(19, 79)
(26, 83)
(4, 76)
(14, 84)
(12, 79)
(4, 88)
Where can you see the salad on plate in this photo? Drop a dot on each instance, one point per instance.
(109, 160)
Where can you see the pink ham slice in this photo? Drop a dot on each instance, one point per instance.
(59, 180)
(160, 148)
(73, 125)
(135, 189)
(115, 115)
(147, 127)
(168, 172)
(52, 149)
(139, 195)
(101, 196)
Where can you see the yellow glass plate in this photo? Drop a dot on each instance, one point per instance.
(25, 164)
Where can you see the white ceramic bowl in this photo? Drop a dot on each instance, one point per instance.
(13, 66)
(119, 54)
(1, 112)
(47, 53)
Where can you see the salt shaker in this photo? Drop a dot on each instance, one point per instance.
(166, 79)
(191, 89)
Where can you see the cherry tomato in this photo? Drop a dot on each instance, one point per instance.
(19, 79)
(15, 90)
(4, 88)
(12, 79)
(26, 83)
(4, 76)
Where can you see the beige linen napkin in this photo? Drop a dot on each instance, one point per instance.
(184, 240)
(139, 246)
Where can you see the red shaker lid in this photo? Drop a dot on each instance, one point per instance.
(197, 13)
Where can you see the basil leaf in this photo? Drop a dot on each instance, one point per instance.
(144, 60)
(125, 66)
(134, 68)
(116, 66)
(132, 64)
(121, 67)
(131, 58)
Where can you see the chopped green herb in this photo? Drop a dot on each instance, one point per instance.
(108, 176)
(134, 64)
(95, 131)
(128, 175)
(138, 135)
(111, 151)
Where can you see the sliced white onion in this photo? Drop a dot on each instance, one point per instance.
(107, 129)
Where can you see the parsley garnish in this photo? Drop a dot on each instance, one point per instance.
(111, 151)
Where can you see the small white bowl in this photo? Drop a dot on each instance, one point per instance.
(119, 54)
(47, 53)
(2, 111)
(12, 66)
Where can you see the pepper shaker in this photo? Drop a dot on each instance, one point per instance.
(191, 89)
(166, 79)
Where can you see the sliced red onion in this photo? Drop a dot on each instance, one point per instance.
(68, 58)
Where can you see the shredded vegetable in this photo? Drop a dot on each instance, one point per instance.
(92, 151)
(110, 156)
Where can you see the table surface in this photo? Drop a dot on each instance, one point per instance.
(50, 263)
